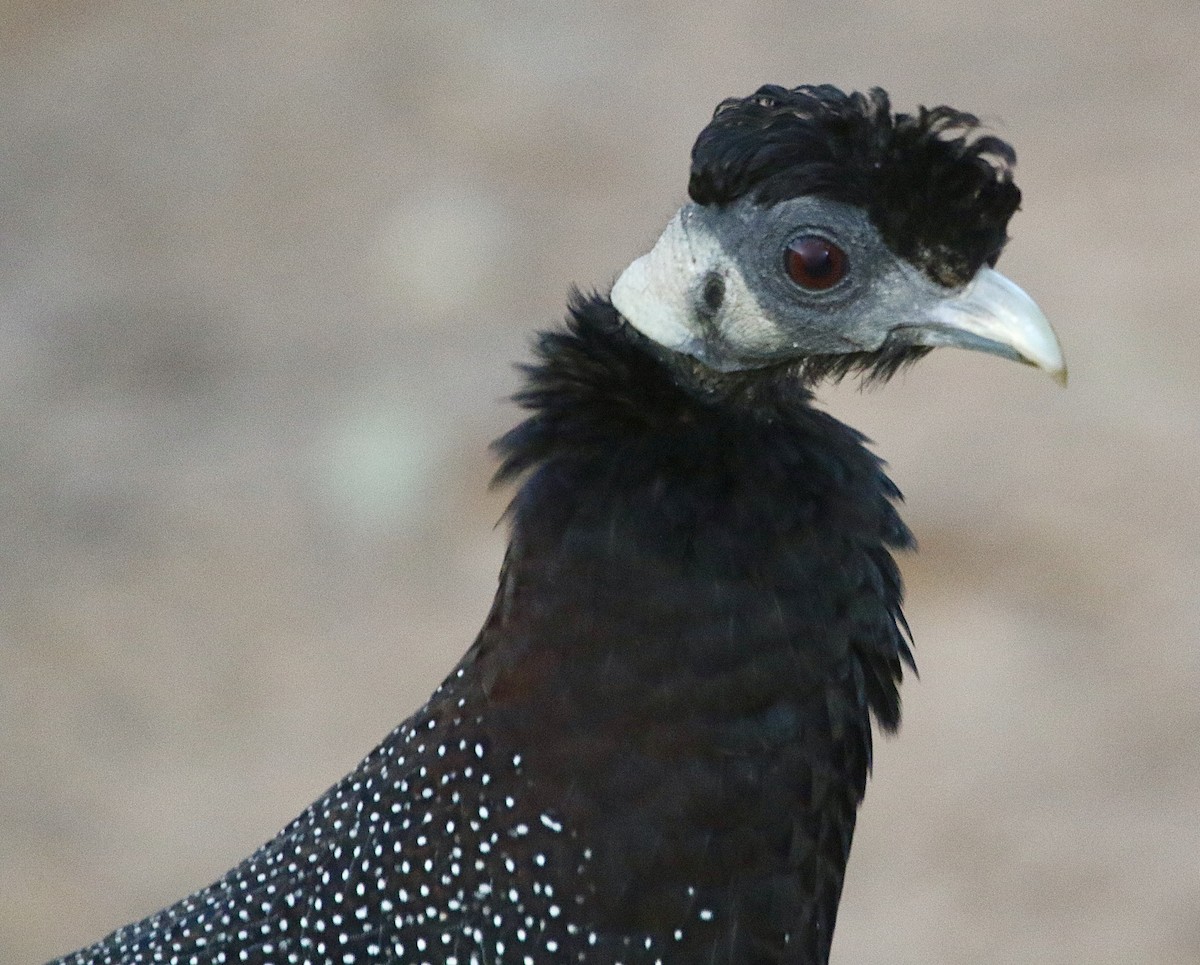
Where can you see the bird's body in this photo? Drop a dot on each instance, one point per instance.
(657, 746)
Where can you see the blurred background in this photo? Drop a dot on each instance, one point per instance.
(264, 269)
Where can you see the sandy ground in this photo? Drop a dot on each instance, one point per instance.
(263, 268)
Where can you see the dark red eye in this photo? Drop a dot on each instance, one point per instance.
(814, 262)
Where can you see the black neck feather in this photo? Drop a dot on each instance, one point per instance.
(697, 618)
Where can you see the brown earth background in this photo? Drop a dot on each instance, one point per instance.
(263, 271)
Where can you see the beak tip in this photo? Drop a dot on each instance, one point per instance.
(1056, 368)
(1052, 363)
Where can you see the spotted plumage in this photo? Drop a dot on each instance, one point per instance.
(656, 748)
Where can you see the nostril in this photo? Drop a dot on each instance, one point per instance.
(714, 292)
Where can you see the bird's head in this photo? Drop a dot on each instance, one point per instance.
(826, 233)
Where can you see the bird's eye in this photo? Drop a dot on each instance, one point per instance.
(814, 262)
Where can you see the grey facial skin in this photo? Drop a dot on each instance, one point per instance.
(714, 287)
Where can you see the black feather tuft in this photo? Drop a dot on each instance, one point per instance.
(940, 196)
(874, 368)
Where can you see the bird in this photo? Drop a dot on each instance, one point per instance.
(656, 748)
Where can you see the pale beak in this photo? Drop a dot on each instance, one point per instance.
(993, 315)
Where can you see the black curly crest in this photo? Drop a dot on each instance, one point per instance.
(940, 194)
